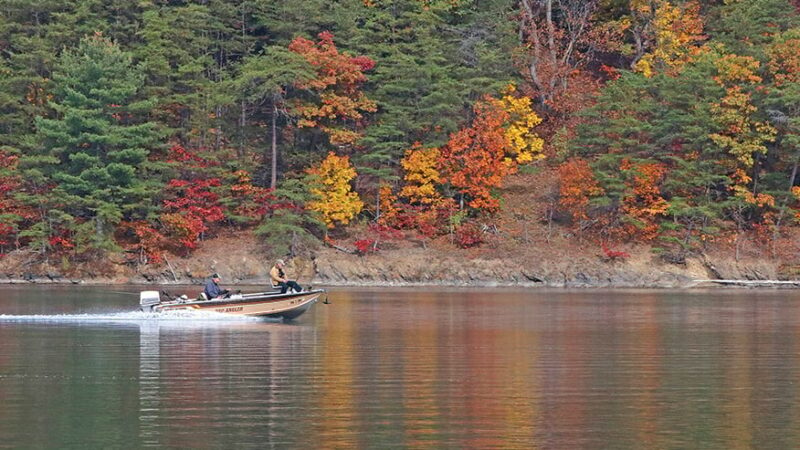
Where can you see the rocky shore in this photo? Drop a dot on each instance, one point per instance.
(418, 267)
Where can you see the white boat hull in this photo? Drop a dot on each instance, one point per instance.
(287, 306)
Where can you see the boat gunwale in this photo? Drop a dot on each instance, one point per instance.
(265, 298)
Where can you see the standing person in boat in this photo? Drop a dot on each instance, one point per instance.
(213, 290)
(278, 278)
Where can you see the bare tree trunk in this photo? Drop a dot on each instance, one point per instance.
(378, 204)
(641, 33)
(242, 123)
(243, 118)
(792, 179)
(217, 131)
(273, 181)
(554, 35)
(529, 19)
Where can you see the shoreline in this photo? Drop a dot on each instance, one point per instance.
(488, 284)
(417, 268)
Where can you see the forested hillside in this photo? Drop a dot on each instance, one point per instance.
(134, 130)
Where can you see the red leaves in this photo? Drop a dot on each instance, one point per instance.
(195, 198)
(60, 243)
(191, 203)
(193, 207)
(10, 184)
(148, 241)
(468, 235)
(250, 201)
(364, 246)
(613, 255)
(337, 86)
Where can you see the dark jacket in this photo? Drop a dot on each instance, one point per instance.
(212, 290)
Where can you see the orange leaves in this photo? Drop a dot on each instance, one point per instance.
(473, 159)
(337, 88)
(148, 241)
(643, 202)
(735, 69)
(784, 58)
(388, 206)
(477, 159)
(577, 186)
(334, 198)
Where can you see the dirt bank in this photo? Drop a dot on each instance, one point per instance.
(240, 260)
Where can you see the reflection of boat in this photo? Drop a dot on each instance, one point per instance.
(268, 304)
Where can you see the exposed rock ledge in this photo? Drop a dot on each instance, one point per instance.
(419, 267)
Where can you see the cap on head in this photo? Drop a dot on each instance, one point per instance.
(215, 275)
(279, 262)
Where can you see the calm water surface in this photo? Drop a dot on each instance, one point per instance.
(406, 368)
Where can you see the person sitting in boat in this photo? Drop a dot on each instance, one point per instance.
(278, 278)
(212, 289)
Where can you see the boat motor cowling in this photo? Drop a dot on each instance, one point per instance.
(148, 299)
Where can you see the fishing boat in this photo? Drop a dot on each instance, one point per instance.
(265, 304)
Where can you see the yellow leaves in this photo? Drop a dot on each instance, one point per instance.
(422, 175)
(524, 145)
(675, 32)
(334, 198)
(741, 135)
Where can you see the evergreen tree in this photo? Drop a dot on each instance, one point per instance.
(266, 80)
(745, 26)
(94, 151)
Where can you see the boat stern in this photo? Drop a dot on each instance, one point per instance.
(148, 299)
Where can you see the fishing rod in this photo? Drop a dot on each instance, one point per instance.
(122, 292)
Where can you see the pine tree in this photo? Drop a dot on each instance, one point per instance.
(266, 80)
(93, 151)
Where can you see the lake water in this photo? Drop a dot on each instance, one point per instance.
(429, 368)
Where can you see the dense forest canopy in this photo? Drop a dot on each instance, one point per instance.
(144, 127)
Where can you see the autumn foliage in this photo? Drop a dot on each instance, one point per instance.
(643, 203)
(422, 177)
(670, 122)
(335, 199)
(577, 186)
(671, 32)
(12, 211)
(477, 159)
(338, 97)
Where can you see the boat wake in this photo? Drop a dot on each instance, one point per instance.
(132, 317)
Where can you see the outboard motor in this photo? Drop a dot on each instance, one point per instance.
(148, 299)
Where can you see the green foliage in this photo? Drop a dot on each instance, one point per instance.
(93, 150)
(290, 229)
(744, 26)
(92, 117)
